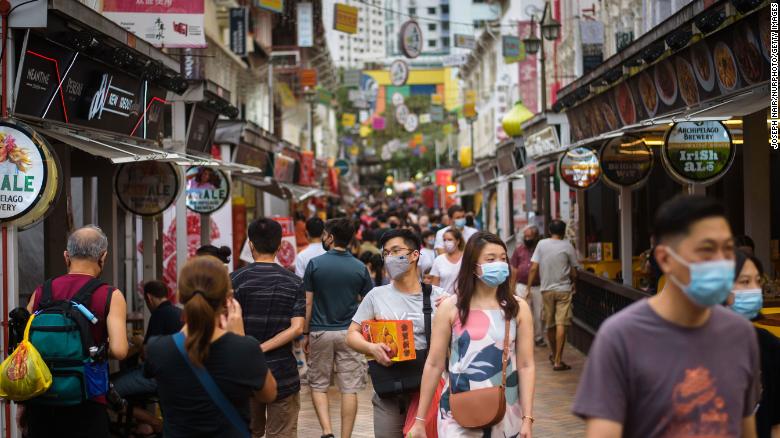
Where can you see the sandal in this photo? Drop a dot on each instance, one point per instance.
(561, 367)
(552, 361)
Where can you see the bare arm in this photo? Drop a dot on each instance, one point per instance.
(602, 428)
(309, 305)
(285, 336)
(532, 274)
(749, 427)
(117, 326)
(268, 393)
(436, 281)
(524, 347)
(775, 431)
(31, 302)
(573, 275)
(441, 333)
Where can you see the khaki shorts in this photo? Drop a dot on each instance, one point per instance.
(278, 419)
(557, 308)
(328, 352)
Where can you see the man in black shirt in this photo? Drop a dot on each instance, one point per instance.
(273, 304)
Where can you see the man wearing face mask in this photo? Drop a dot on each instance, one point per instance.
(334, 283)
(402, 299)
(677, 364)
(521, 263)
(457, 215)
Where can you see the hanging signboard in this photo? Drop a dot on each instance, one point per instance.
(411, 123)
(399, 72)
(698, 152)
(284, 168)
(271, 5)
(398, 99)
(342, 166)
(542, 143)
(307, 169)
(345, 18)
(454, 60)
(207, 189)
(348, 120)
(579, 168)
(512, 49)
(351, 78)
(465, 41)
(411, 39)
(305, 25)
(307, 78)
(437, 113)
(239, 21)
(286, 254)
(169, 23)
(626, 161)
(200, 132)
(29, 177)
(146, 188)
(401, 114)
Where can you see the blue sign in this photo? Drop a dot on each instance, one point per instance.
(342, 166)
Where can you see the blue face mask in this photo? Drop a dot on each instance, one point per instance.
(748, 302)
(495, 273)
(710, 283)
(460, 223)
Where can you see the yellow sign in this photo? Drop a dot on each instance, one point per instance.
(354, 150)
(348, 120)
(418, 139)
(470, 105)
(365, 131)
(345, 18)
(286, 95)
(271, 5)
(437, 99)
(464, 156)
(471, 96)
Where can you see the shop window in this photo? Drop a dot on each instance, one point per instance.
(431, 11)
(431, 26)
(445, 9)
(431, 43)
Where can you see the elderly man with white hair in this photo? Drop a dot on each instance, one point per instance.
(521, 263)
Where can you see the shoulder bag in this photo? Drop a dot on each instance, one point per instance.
(481, 408)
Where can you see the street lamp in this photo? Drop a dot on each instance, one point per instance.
(310, 95)
(551, 30)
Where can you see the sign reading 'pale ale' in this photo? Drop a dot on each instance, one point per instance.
(23, 171)
(207, 189)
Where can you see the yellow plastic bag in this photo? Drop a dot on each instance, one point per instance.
(24, 374)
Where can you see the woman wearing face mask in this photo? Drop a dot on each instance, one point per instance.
(445, 267)
(746, 299)
(473, 327)
(427, 254)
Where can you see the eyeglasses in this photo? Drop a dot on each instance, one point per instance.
(396, 251)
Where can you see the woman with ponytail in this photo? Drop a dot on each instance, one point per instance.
(214, 342)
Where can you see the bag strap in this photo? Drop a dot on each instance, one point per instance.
(505, 354)
(46, 294)
(427, 311)
(84, 295)
(227, 408)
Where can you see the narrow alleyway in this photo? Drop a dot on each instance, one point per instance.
(554, 394)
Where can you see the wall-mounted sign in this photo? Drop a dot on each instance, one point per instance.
(542, 143)
(351, 78)
(342, 166)
(465, 41)
(411, 39)
(579, 168)
(348, 120)
(172, 23)
(307, 169)
(437, 113)
(626, 161)
(207, 189)
(399, 72)
(146, 188)
(398, 99)
(305, 23)
(345, 18)
(307, 77)
(512, 49)
(239, 23)
(284, 168)
(698, 152)
(454, 60)
(401, 114)
(28, 175)
(411, 123)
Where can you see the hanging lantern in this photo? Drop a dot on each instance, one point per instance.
(514, 119)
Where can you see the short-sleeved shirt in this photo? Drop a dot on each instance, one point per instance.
(336, 280)
(467, 232)
(768, 414)
(270, 296)
(387, 302)
(521, 262)
(446, 271)
(659, 379)
(235, 363)
(556, 259)
(304, 257)
(164, 320)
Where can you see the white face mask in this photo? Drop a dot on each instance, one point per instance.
(450, 246)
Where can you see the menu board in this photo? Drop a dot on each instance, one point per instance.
(719, 65)
(698, 152)
(207, 189)
(146, 188)
(626, 161)
(579, 168)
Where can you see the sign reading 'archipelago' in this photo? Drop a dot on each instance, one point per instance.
(698, 152)
(207, 189)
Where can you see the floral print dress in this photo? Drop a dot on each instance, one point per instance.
(476, 351)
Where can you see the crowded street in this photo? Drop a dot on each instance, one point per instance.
(390, 218)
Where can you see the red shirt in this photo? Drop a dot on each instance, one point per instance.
(521, 262)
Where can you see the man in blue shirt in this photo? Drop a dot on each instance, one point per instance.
(334, 282)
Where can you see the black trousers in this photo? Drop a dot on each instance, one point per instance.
(87, 420)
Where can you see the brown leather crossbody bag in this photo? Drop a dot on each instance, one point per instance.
(481, 408)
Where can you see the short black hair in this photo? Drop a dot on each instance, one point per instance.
(369, 235)
(557, 227)
(428, 233)
(342, 231)
(675, 216)
(454, 209)
(740, 257)
(156, 288)
(744, 240)
(223, 252)
(265, 235)
(409, 237)
(314, 227)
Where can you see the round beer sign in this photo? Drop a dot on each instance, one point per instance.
(698, 152)
(146, 188)
(24, 172)
(411, 39)
(399, 74)
(626, 161)
(579, 168)
(207, 189)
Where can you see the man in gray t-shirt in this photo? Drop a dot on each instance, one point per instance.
(555, 261)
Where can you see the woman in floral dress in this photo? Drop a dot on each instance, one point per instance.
(471, 326)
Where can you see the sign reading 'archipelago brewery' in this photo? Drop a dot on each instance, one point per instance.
(626, 161)
(698, 152)
(146, 188)
(207, 189)
(579, 168)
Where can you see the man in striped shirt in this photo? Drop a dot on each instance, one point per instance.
(274, 308)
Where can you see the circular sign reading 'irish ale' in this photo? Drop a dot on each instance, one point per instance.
(146, 188)
(698, 152)
(579, 168)
(207, 189)
(626, 161)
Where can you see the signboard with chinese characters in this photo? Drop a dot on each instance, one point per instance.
(411, 39)
(465, 41)
(307, 77)
(162, 23)
(284, 168)
(454, 60)
(345, 18)
(207, 189)
(626, 161)
(286, 254)
(305, 25)
(542, 143)
(698, 152)
(579, 168)
(239, 21)
(146, 188)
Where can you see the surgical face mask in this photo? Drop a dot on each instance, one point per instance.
(495, 273)
(748, 302)
(393, 225)
(429, 243)
(460, 223)
(449, 246)
(397, 266)
(529, 242)
(711, 281)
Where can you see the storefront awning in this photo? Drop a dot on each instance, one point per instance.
(301, 193)
(266, 184)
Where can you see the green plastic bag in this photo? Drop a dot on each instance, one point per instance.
(24, 374)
